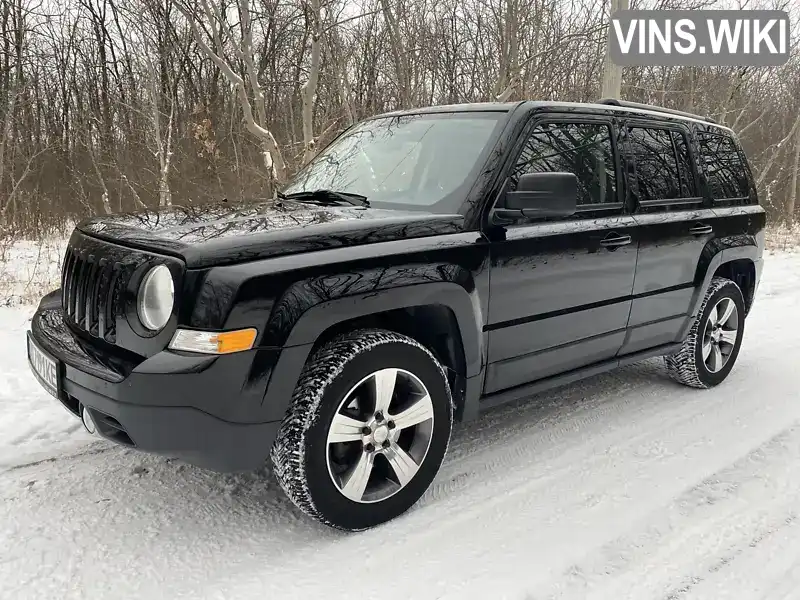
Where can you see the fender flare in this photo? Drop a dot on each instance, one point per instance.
(722, 256)
(316, 320)
(322, 316)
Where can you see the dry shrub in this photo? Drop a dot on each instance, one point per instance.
(29, 269)
(783, 238)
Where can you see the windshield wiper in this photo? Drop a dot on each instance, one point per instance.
(327, 197)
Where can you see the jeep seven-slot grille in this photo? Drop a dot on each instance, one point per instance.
(91, 287)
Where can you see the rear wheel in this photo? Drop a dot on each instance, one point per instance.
(367, 429)
(712, 346)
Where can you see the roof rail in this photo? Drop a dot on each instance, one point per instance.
(640, 106)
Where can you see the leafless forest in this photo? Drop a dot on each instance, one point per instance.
(111, 105)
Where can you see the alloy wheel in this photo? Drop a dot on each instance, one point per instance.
(380, 435)
(720, 334)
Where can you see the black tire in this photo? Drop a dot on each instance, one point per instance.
(687, 366)
(300, 452)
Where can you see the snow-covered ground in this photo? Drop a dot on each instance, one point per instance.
(623, 486)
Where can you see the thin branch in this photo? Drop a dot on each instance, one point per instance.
(775, 150)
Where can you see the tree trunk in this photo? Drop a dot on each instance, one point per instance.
(612, 74)
(310, 87)
(399, 55)
(165, 154)
(342, 79)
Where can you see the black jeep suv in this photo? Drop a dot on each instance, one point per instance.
(426, 266)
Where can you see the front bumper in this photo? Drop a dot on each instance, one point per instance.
(207, 411)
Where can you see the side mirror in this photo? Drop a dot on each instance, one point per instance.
(541, 195)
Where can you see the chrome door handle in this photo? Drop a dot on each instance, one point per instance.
(701, 229)
(614, 241)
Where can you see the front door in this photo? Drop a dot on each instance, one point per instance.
(561, 288)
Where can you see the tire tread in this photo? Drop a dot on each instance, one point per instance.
(682, 366)
(327, 363)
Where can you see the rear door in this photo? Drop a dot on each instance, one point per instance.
(676, 222)
(561, 287)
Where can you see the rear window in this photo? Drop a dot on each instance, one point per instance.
(725, 168)
(662, 164)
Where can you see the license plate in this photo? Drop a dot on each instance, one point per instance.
(44, 367)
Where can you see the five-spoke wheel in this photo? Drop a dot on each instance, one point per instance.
(721, 332)
(710, 350)
(367, 431)
(380, 435)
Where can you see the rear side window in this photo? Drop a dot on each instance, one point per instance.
(688, 186)
(581, 148)
(725, 167)
(662, 164)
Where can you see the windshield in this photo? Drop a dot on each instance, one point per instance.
(425, 161)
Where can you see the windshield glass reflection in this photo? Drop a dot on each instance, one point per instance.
(422, 161)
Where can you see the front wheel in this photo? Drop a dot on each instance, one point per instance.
(367, 429)
(712, 346)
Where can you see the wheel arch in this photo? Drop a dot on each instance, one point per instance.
(442, 316)
(737, 258)
(742, 271)
(435, 326)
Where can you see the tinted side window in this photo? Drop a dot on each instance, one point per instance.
(581, 148)
(662, 164)
(688, 186)
(724, 166)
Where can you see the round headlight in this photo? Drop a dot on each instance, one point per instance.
(156, 297)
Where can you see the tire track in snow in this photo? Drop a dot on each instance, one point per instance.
(518, 431)
(93, 447)
(700, 533)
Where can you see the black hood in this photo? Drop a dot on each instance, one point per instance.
(223, 233)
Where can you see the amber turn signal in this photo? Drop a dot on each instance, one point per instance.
(213, 342)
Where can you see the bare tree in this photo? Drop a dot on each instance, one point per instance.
(273, 157)
(110, 106)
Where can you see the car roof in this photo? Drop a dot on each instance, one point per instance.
(604, 106)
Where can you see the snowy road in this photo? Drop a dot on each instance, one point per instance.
(623, 486)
